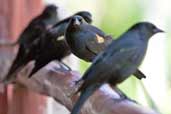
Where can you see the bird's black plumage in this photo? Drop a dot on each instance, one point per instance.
(85, 40)
(118, 61)
(50, 47)
(37, 27)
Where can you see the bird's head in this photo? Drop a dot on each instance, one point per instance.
(77, 21)
(86, 15)
(146, 29)
(50, 9)
(50, 14)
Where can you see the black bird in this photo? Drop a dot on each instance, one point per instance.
(41, 43)
(34, 30)
(117, 62)
(87, 41)
(51, 48)
(42, 22)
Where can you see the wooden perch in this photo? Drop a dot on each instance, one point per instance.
(58, 84)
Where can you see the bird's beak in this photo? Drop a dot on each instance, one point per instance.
(157, 30)
(76, 22)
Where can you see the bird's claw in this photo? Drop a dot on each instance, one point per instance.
(64, 66)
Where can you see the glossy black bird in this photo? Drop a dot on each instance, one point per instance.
(39, 24)
(117, 62)
(34, 30)
(87, 41)
(41, 43)
(51, 48)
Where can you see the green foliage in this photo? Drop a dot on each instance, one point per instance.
(119, 15)
(130, 86)
(83, 66)
(168, 55)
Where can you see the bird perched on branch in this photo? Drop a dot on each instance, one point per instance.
(39, 24)
(50, 47)
(58, 49)
(117, 62)
(87, 41)
(37, 48)
(34, 30)
(48, 39)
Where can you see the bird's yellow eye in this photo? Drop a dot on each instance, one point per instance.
(99, 39)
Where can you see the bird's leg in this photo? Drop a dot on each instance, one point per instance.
(122, 95)
(64, 66)
(78, 81)
(77, 84)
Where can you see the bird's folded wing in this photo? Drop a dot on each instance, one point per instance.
(97, 44)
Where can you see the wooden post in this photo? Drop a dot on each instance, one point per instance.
(14, 16)
(24, 101)
(3, 102)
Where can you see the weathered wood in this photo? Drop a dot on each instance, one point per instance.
(58, 84)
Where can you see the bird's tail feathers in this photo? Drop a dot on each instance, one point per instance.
(74, 90)
(85, 94)
(12, 74)
(15, 68)
(37, 66)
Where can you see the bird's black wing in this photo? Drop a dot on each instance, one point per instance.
(108, 60)
(31, 33)
(98, 41)
(85, 94)
(38, 65)
(19, 62)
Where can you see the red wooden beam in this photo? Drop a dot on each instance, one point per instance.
(14, 16)
(3, 102)
(25, 101)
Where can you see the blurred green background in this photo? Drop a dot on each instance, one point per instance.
(116, 16)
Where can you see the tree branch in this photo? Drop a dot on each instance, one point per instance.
(58, 84)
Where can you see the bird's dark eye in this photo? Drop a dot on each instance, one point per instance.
(80, 20)
(73, 19)
(153, 27)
